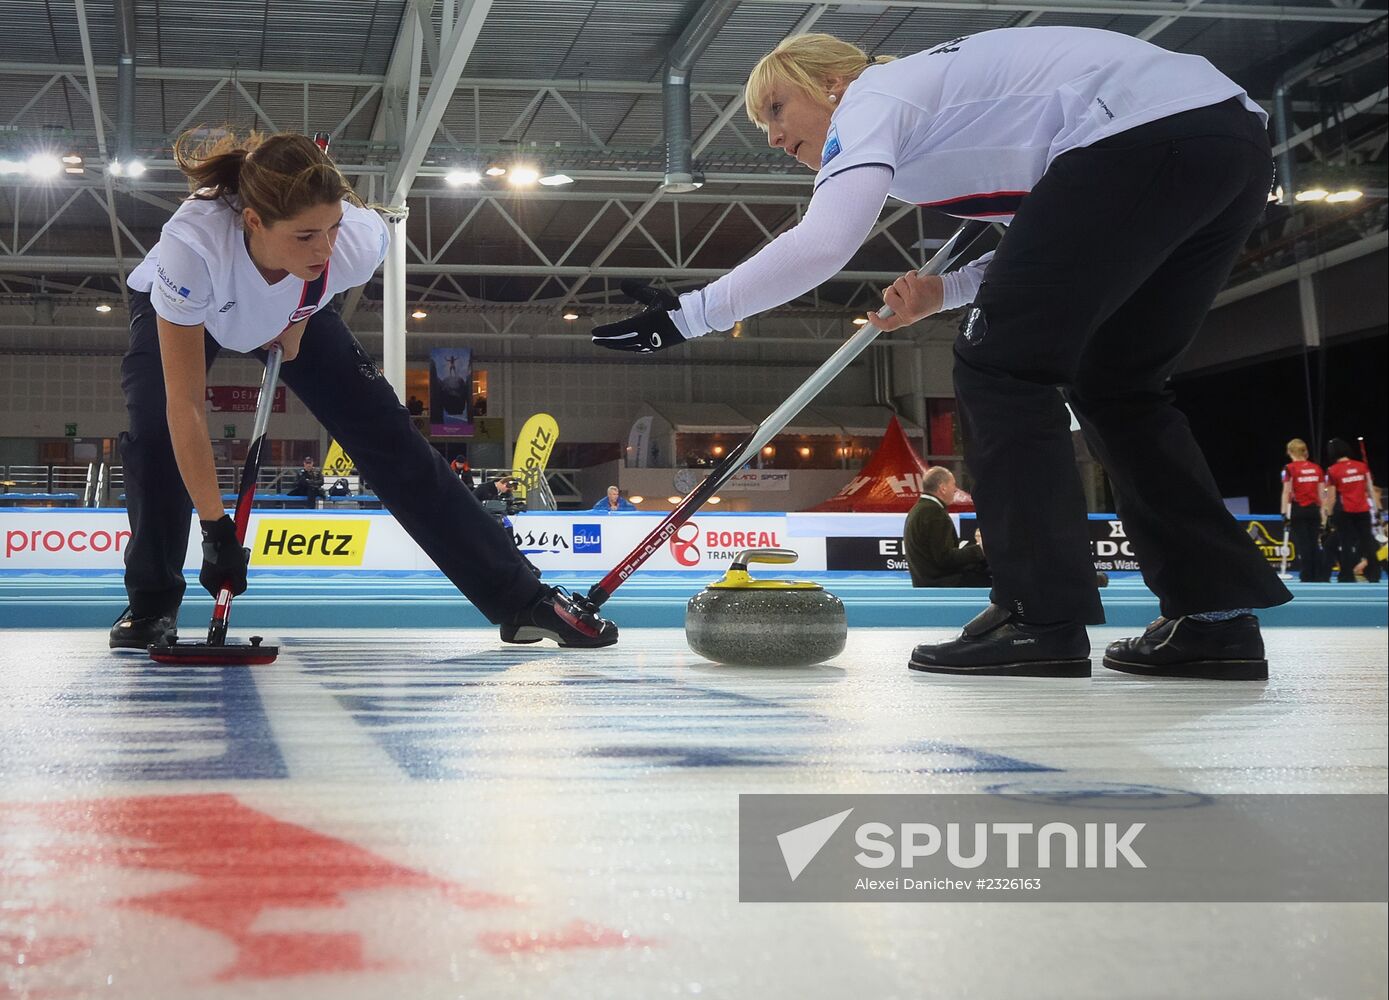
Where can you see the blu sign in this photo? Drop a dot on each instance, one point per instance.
(588, 538)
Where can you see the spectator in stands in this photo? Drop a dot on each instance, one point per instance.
(309, 483)
(614, 501)
(1347, 503)
(463, 471)
(415, 406)
(935, 556)
(1302, 509)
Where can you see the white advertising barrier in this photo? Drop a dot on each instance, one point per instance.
(374, 541)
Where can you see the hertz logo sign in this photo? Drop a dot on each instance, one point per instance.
(285, 542)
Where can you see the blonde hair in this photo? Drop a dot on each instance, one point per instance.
(806, 63)
(1297, 447)
(277, 175)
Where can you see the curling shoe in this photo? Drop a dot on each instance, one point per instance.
(1231, 650)
(998, 642)
(133, 631)
(558, 615)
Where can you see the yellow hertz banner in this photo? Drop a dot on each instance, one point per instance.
(323, 542)
(337, 463)
(533, 446)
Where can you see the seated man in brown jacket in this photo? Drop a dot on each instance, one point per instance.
(934, 554)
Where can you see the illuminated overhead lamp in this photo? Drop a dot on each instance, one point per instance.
(674, 499)
(805, 452)
(570, 315)
(44, 166)
(715, 500)
(556, 180)
(523, 176)
(716, 450)
(1350, 194)
(769, 451)
(461, 178)
(637, 499)
(860, 321)
(418, 314)
(496, 171)
(1313, 194)
(103, 308)
(74, 170)
(73, 160)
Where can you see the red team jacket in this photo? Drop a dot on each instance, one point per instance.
(1305, 477)
(1350, 479)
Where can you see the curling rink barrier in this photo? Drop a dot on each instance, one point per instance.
(403, 806)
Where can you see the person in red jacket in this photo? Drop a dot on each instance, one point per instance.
(1302, 508)
(1347, 503)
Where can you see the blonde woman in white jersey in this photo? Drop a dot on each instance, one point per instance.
(271, 233)
(1130, 178)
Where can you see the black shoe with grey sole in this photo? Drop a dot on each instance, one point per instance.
(1231, 650)
(132, 631)
(556, 615)
(998, 643)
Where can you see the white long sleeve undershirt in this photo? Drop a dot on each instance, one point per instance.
(841, 214)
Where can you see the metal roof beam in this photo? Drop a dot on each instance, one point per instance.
(95, 102)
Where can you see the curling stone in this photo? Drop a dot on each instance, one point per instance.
(765, 623)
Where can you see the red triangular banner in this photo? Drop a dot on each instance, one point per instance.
(890, 482)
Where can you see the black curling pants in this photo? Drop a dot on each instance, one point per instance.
(1355, 538)
(344, 389)
(1100, 284)
(1304, 527)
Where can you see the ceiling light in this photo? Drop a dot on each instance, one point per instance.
(103, 308)
(418, 314)
(1315, 194)
(570, 315)
(459, 178)
(805, 452)
(716, 450)
(496, 171)
(44, 166)
(74, 170)
(72, 159)
(715, 500)
(522, 176)
(860, 321)
(1350, 194)
(135, 168)
(555, 180)
(674, 499)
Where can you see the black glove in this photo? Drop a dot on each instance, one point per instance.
(651, 330)
(224, 560)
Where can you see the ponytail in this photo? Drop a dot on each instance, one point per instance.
(277, 175)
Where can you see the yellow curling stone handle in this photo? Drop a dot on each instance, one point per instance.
(738, 578)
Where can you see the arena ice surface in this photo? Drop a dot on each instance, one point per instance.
(430, 815)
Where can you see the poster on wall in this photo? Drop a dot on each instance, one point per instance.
(451, 392)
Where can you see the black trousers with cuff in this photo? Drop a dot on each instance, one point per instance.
(1101, 283)
(346, 392)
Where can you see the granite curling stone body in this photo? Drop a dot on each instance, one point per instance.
(765, 623)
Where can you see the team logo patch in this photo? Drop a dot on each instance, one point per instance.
(303, 312)
(974, 326)
(832, 147)
(227, 307)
